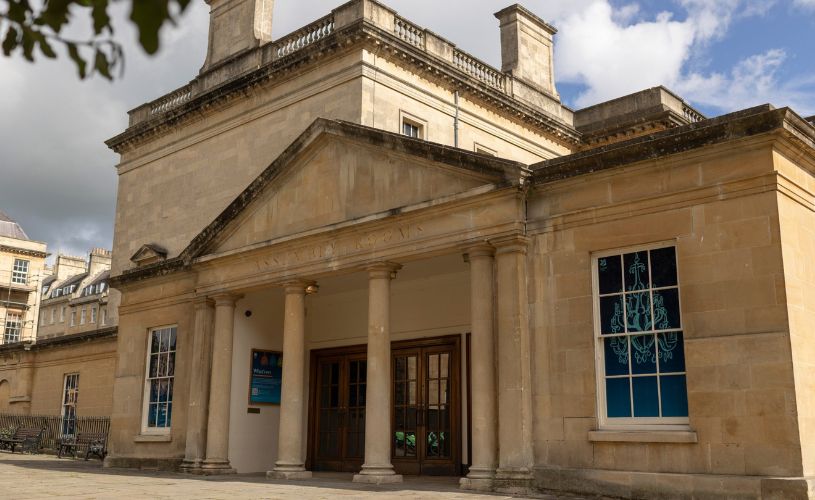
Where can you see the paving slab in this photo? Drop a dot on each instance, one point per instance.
(33, 477)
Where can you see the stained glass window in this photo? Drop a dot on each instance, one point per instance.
(640, 335)
(160, 378)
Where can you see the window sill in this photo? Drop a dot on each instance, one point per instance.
(153, 438)
(643, 436)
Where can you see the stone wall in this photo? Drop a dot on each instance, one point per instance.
(719, 208)
(35, 378)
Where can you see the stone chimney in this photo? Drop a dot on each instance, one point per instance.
(236, 26)
(67, 266)
(527, 48)
(99, 261)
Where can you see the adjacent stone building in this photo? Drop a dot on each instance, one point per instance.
(358, 248)
(73, 349)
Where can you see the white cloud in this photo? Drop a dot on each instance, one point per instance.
(754, 80)
(616, 52)
(595, 50)
(807, 4)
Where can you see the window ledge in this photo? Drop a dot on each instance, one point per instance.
(643, 436)
(153, 438)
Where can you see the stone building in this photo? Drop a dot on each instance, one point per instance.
(73, 349)
(358, 248)
(22, 269)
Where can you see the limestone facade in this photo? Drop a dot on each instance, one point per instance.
(461, 294)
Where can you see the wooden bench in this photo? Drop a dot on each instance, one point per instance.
(94, 443)
(27, 437)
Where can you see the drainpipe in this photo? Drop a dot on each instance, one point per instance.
(455, 121)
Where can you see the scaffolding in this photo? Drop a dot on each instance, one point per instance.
(19, 314)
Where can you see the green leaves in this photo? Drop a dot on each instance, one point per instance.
(26, 30)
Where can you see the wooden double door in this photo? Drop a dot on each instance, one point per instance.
(425, 408)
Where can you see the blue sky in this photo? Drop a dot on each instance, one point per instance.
(721, 55)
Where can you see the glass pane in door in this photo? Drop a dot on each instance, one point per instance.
(355, 426)
(438, 408)
(329, 412)
(406, 400)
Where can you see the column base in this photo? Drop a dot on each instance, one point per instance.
(377, 474)
(288, 472)
(476, 484)
(373, 479)
(216, 468)
(190, 467)
(516, 481)
(478, 479)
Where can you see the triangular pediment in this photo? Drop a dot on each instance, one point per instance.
(338, 172)
(148, 254)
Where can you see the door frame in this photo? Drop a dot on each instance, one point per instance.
(314, 356)
(456, 388)
(456, 384)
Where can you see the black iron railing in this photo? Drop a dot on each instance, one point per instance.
(56, 427)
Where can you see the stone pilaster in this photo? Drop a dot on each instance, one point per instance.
(484, 442)
(290, 462)
(377, 468)
(195, 451)
(217, 461)
(516, 458)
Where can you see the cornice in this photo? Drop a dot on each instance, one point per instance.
(343, 40)
(23, 251)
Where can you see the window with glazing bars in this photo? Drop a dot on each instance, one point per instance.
(70, 395)
(160, 378)
(639, 337)
(19, 273)
(14, 326)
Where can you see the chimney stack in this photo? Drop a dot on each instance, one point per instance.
(236, 26)
(527, 51)
(99, 261)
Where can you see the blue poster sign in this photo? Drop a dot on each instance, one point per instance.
(267, 375)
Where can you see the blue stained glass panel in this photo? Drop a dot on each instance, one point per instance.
(663, 267)
(153, 391)
(618, 398)
(646, 397)
(161, 415)
(638, 312)
(616, 355)
(154, 342)
(674, 396)
(610, 274)
(666, 309)
(636, 271)
(643, 354)
(152, 411)
(671, 348)
(611, 314)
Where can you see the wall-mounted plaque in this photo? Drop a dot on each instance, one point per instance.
(266, 377)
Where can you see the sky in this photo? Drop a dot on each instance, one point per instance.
(58, 179)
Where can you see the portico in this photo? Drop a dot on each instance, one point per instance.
(425, 284)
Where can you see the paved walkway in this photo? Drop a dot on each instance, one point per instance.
(42, 476)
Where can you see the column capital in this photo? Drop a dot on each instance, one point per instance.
(477, 249)
(515, 243)
(299, 287)
(226, 299)
(202, 301)
(383, 270)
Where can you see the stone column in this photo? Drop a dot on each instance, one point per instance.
(516, 459)
(377, 468)
(220, 387)
(290, 462)
(484, 443)
(199, 386)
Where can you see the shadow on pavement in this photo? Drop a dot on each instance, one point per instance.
(320, 479)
